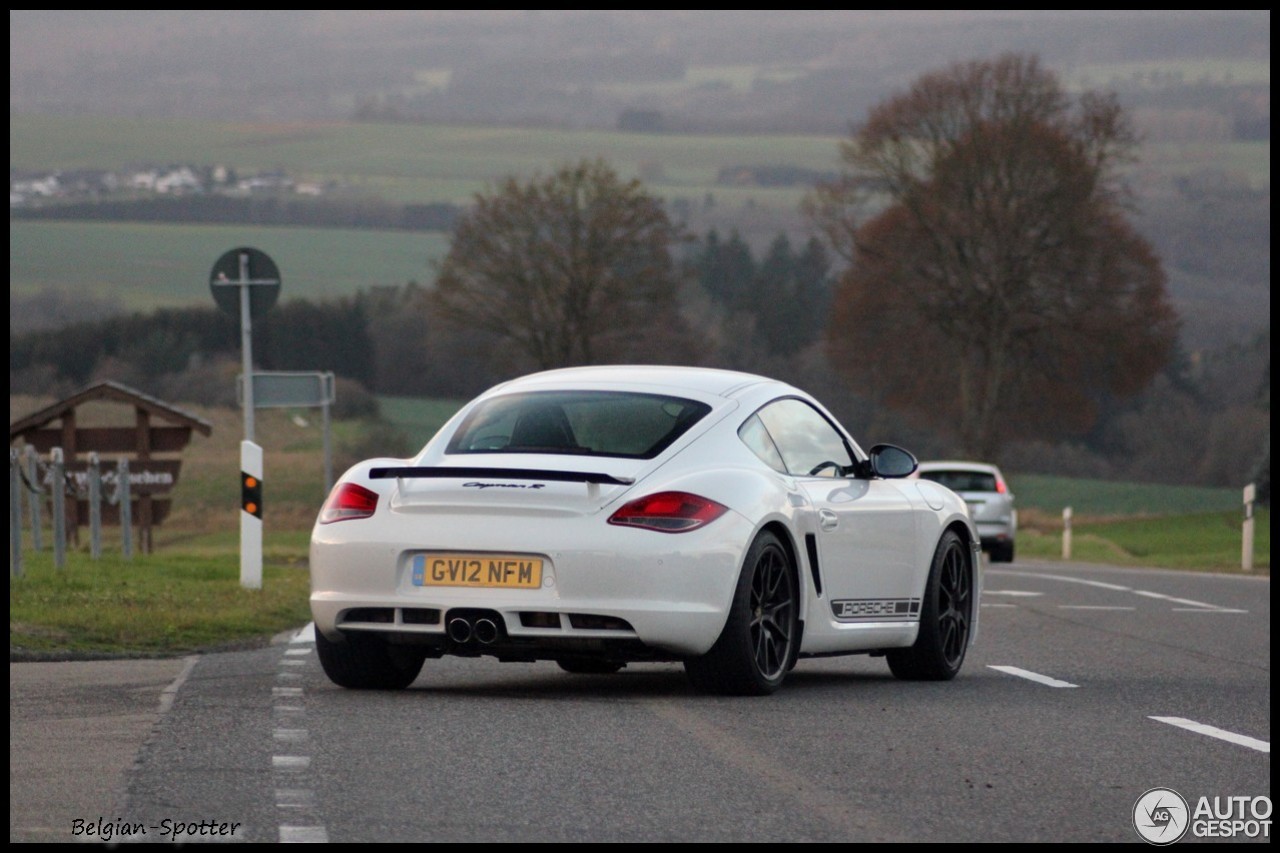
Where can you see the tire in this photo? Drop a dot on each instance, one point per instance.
(945, 620)
(364, 662)
(1002, 552)
(761, 638)
(589, 666)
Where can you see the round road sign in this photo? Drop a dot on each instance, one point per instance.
(245, 267)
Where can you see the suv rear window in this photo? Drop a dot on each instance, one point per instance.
(578, 423)
(962, 481)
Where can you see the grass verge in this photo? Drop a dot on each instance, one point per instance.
(155, 605)
(1198, 542)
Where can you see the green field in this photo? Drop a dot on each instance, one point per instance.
(1111, 75)
(1104, 498)
(143, 266)
(417, 418)
(412, 163)
(146, 266)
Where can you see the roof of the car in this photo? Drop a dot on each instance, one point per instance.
(957, 465)
(704, 380)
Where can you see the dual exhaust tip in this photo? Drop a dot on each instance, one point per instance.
(482, 630)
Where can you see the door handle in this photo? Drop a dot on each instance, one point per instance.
(828, 520)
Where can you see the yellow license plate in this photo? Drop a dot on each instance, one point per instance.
(504, 571)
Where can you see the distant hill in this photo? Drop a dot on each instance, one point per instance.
(684, 70)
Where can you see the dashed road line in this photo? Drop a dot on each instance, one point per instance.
(295, 801)
(1215, 732)
(1032, 676)
(290, 762)
(303, 835)
(1192, 606)
(1085, 581)
(1200, 604)
(1208, 610)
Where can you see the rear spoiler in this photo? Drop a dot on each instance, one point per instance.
(449, 473)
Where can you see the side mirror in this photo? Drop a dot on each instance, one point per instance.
(889, 461)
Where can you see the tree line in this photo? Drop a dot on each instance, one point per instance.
(398, 341)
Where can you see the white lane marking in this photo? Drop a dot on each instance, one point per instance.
(291, 762)
(1099, 584)
(1213, 731)
(996, 604)
(297, 810)
(1210, 610)
(1199, 606)
(1163, 597)
(1012, 592)
(171, 692)
(1032, 676)
(294, 798)
(1094, 607)
(303, 835)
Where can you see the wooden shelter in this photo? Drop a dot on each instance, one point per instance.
(151, 479)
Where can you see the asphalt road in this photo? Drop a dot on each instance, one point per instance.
(1088, 686)
(75, 730)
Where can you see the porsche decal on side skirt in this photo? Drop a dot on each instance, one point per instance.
(878, 609)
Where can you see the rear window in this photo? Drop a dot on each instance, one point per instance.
(962, 481)
(578, 423)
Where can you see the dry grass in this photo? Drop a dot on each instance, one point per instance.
(206, 499)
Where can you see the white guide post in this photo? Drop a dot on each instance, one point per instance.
(250, 515)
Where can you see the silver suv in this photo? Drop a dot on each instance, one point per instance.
(990, 502)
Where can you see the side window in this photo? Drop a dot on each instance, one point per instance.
(756, 437)
(806, 440)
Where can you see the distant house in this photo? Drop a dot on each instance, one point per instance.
(181, 179)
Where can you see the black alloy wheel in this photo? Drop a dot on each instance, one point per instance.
(946, 619)
(760, 640)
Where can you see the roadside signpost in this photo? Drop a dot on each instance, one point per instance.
(245, 282)
(294, 390)
(1246, 528)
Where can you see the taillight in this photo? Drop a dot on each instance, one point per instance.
(348, 501)
(668, 512)
(1001, 488)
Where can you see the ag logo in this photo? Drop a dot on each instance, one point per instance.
(1161, 816)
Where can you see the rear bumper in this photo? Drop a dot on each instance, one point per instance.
(666, 592)
(994, 533)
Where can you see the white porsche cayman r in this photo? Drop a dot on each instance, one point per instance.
(599, 516)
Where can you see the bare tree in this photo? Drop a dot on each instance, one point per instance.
(569, 268)
(996, 289)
